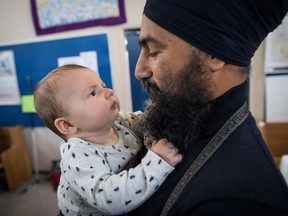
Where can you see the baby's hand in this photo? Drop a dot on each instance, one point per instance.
(167, 151)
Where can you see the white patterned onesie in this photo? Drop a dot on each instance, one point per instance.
(94, 181)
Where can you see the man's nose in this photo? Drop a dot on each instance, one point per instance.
(142, 69)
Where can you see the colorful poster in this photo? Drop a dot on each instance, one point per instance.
(57, 15)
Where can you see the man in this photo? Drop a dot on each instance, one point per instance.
(194, 63)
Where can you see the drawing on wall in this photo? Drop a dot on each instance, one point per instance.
(9, 90)
(87, 59)
(276, 96)
(57, 15)
(276, 49)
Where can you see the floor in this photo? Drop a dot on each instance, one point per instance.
(36, 197)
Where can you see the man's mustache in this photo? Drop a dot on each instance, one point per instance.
(150, 87)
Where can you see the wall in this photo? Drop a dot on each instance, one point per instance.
(256, 97)
(16, 25)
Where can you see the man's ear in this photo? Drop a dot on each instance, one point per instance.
(64, 126)
(215, 64)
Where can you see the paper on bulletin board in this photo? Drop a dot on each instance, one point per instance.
(276, 96)
(87, 59)
(9, 89)
(276, 48)
(28, 104)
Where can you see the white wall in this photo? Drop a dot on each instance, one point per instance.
(256, 97)
(16, 25)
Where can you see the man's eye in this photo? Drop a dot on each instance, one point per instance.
(153, 54)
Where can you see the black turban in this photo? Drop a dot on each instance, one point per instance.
(230, 30)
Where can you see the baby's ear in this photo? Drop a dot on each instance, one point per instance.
(64, 126)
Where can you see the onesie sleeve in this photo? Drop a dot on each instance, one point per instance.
(130, 188)
(129, 119)
(113, 193)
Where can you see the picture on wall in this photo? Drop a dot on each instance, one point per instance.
(9, 90)
(276, 49)
(52, 16)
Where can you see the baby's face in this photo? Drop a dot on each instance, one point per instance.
(89, 103)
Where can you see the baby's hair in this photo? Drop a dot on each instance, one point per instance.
(46, 100)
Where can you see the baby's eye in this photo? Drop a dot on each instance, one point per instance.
(93, 93)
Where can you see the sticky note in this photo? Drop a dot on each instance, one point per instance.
(28, 104)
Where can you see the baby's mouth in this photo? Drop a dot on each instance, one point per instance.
(114, 105)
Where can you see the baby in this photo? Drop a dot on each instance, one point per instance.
(99, 145)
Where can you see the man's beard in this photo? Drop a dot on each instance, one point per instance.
(178, 113)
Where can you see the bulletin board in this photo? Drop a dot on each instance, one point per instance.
(36, 59)
(139, 96)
